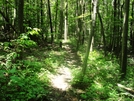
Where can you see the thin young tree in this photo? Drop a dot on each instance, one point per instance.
(93, 21)
(66, 20)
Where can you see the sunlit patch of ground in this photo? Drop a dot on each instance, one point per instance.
(62, 79)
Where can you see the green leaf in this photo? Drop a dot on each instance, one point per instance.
(13, 70)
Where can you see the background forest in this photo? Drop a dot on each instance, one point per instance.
(66, 50)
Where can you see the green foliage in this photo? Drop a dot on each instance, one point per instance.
(23, 42)
(20, 79)
(98, 91)
(78, 83)
(100, 81)
(34, 31)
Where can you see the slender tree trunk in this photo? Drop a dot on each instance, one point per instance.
(132, 28)
(56, 13)
(77, 27)
(61, 26)
(41, 13)
(93, 18)
(50, 20)
(66, 21)
(20, 15)
(102, 32)
(125, 39)
(7, 26)
(79, 23)
(83, 25)
(115, 25)
(38, 14)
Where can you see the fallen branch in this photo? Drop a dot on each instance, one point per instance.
(130, 90)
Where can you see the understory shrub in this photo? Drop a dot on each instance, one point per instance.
(19, 80)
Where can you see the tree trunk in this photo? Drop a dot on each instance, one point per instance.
(93, 21)
(66, 21)
(56, 13)
(132, 28)
(102, 32)
(20, 16)
(124, 39)
(61, 26)
(50, 20)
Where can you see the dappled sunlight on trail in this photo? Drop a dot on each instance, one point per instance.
(62, 79)
(67, 59)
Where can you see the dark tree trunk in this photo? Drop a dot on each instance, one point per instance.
(131, 29)
(56, 13)
(102, 32)
(125, 39)
(20, 16)
(61, 26)
(50, 20)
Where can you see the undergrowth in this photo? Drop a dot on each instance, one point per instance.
(101, 79)
(26, 79)
(20, 77)
(19, 80)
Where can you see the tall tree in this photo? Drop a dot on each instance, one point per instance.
(125, 39)
(41, 13)
(66, 21)
(56, 14)
(102, 31)
(93, 21)
(132, 28)
(79, 22)
(20, 15)
(50, 20)
(61, 25)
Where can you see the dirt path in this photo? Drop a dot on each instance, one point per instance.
(62, 90)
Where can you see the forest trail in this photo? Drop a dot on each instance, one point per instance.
(61, 80)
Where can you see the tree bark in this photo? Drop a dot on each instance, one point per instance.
(125, 39)
(50, 20)
(20, 15)
(61, 26)
(56, 13)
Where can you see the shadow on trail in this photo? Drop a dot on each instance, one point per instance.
(72, 59)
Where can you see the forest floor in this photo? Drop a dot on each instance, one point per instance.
(50, 73)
